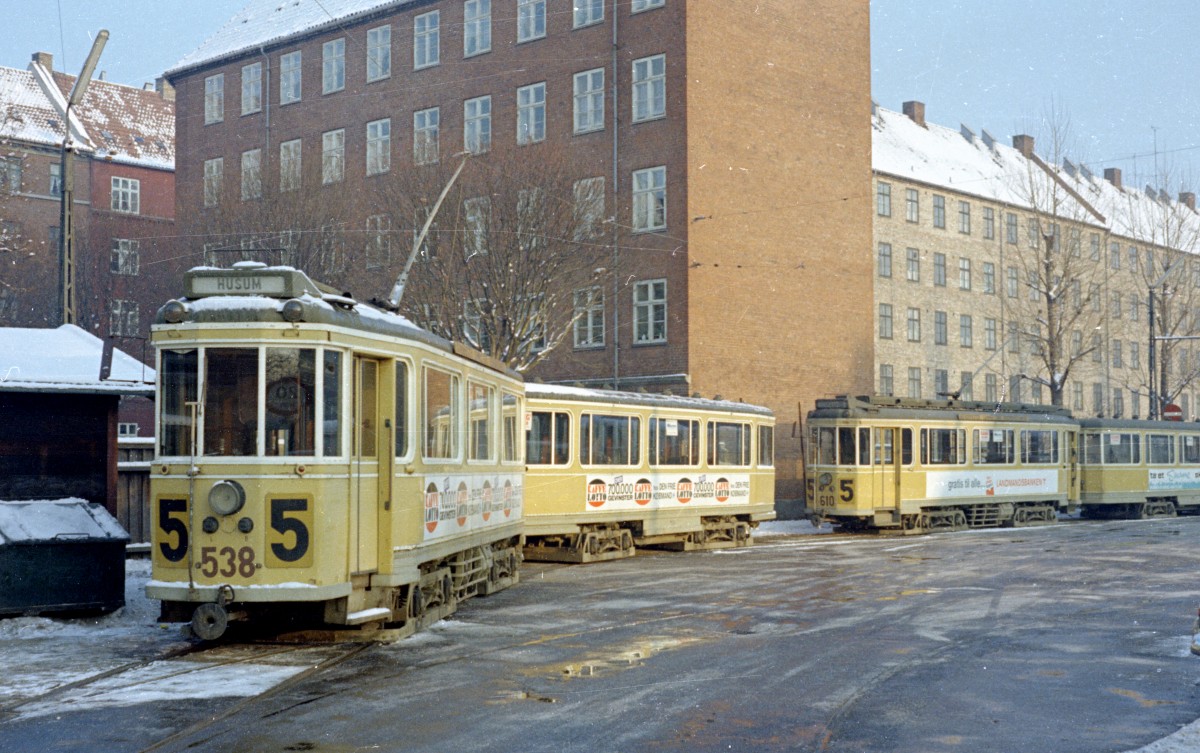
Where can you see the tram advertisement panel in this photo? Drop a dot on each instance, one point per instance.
(460, 503)
(1174, 478)
(657, 490)
(950, 484)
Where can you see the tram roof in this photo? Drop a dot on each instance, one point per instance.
(653, 399)
(1134, 424)
(882, 406)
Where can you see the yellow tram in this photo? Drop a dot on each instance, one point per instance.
(323, 461)
(1139, 469)
(914, 466)
(610, 471)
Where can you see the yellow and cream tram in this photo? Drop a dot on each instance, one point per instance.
(913, 466)
(611, 471)
(324, 461)
(1139, 469)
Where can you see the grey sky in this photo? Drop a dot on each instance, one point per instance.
(1124, 72)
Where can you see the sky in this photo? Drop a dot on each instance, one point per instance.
(1120, 75)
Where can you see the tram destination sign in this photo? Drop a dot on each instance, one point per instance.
(240, 284)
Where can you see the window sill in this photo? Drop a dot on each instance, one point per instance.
(650, 119)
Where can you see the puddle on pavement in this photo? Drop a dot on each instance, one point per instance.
(634, 656)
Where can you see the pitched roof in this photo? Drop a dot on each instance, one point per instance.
(267, 22)
(25, 112)
(126, 124)
(66, 359)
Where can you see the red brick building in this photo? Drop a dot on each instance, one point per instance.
(731, 142)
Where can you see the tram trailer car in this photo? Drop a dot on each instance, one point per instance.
(315, 463)
(1139, 469)
(913, 466)
(610, 471)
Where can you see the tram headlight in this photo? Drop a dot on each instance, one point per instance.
(293, 311)
(174, 312)
(226, 497)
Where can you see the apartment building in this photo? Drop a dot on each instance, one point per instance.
(998, 271)
(723, 153)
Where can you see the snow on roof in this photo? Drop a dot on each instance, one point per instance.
(25, 112)
(588, 394)
(66, 359)
(127, 124)
(983, 167)
(267, 22)
(62, 519)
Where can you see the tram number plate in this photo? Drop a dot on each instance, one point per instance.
(228, 562)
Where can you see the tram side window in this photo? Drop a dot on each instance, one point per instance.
(906, 447)
(482, 400)
(547, 442)
(864, 446)
(1039, 446)
(674, 441)
(332, 399)
(231, 401)
(993, 446)
(1189, 448)
(178, 375)
(846, 446)
(825, 445)
(401, 430)
(943, 446)
(1160, 450)
(609, 440)
(1092, 448)
(728, 443)
(510, 443)
(291, 401)
(884, 446)
(441, 415)
(766, 447)
(1120, 448)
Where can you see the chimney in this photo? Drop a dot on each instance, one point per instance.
(1024, 145)
(1113, 175)
(915, 111)
(164, 89)
(44, 59)
(1188, 198)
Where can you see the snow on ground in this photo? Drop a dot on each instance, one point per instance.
(790, 528)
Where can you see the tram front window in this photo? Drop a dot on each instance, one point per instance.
(178, 375)
(231, 401)
(291, 401)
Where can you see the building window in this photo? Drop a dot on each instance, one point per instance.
(379, 241)
(939, 211)
(1076, 343)
(125, 257)
(1077, 396)
(941, 382)
(1014, 388)
(885, 260)
(940, 336)
(55, 178)
(1114, 309)
(477, 124)
(1034, 232)
(886, 382)
(426, 124)
(914, 382)
(650, 199)
(477, 214)
(989, 333)
(912, 205)
(333, 66)
(589, 208)
(1115, 353)
(1118, 403)
(1097, 398)
(289, 165)
(214, 99)
(1094, 245)
(589, 317)
(589, 101)
(1012, 282)
(427, 40)
(126, 195)
(913, 265)
(531, 20)
(1013, 339)
(214, 173)
(649, 88)
(333, 156)
(989, 223)
(966, 335)
(964, 217)
(989, 388)
(1010, 228)
(477, 27)
(989, 278)
(964, 273)
(885, 321)
(588, 12)
(966, 390)
(531, 113)
(883, 199)
(650, 312)
(1135, 307)
(379, 146)
(939, 270)
(251, 174)
(1135, 360)
(1114, 255)
(1097, 350)
(379, 53)
(289, 78)
(251, 88)
(123, 320)
(641, 5)
(1133, 258)
(914, 325)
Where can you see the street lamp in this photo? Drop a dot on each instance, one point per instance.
(66, 232)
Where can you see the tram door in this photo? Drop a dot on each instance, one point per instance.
(365, 481)
(1073, 468)
(887, 464)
